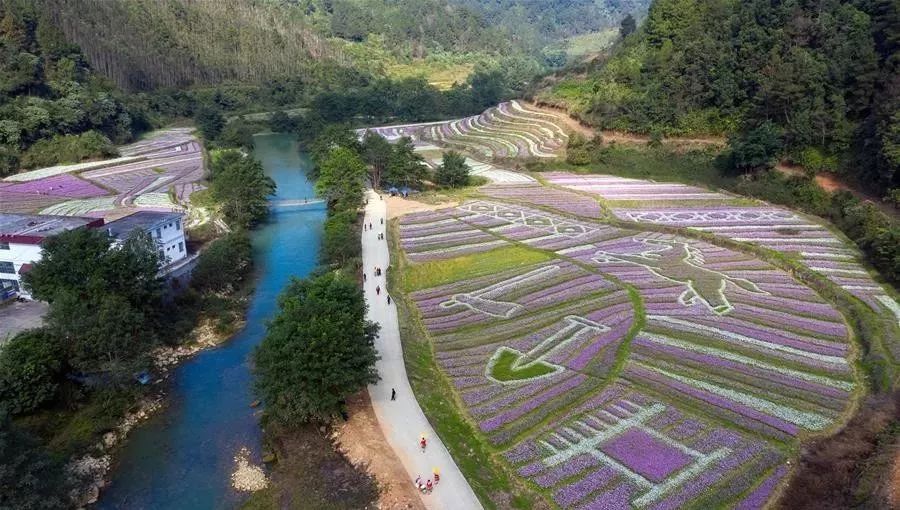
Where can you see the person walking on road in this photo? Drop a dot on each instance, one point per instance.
(389, 299)
(382, 221)
(378, 290)
(393, 394)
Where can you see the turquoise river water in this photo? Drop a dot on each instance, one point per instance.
(183, 457)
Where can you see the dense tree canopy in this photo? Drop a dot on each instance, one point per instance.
(453, 171)
(319, 349)
(104, 301)
(52, 108)
(342, 179)
(825, 74)
(30, 365)
(29, 478)
(223, 264)
(239, 184)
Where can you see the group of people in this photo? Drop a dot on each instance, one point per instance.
(427, 486)
(377, 272)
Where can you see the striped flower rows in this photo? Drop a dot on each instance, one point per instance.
(566, 202)
(620, 188)
(560, 325)
(731, 334)
(443, 234)
(781, 230)
(510, 130)
(727, 339)
(146, 170)
(622, 448)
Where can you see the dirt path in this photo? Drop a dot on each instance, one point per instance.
(361, 440)
(831, 182)
(402, 420)
(622, 137)
(398, 206)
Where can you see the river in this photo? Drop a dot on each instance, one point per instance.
(183, 457)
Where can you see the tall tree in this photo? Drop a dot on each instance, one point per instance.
(239, 183)
(210, 121)
(376, 151)
(406, 167)
(318, 350)
(105, 302)
(342, 180)
(627, 26)
(453, 171)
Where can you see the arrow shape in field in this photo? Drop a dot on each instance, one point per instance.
(480, 300)
(509, 365)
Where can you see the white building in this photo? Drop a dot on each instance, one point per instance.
(21, 236)
(164, 227)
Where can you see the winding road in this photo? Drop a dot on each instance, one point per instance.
(402, 421)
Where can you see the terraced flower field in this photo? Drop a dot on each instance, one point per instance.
(141, 178)
(509, 130)
(636, 368)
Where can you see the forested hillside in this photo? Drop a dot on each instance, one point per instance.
(147, 44)
(52, 107)
(536, 23)
(816, 82)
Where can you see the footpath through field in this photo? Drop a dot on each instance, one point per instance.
(402, 420)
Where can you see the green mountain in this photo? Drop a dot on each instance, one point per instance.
(53, 108)
(818, 80)
(148, 44)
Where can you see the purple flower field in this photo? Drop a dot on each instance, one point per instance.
(776, 228)
(167, 159)
(735, 357)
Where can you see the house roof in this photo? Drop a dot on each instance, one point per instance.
(144, 220)
(34, 228)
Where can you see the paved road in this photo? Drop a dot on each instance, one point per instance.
(16, 317)
(402, 421)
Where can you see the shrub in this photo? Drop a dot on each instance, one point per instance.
(755, 149)
(68, 149)
(815, 160)
(30, 366)
(340, 240)
(223, 264)
(453, 171)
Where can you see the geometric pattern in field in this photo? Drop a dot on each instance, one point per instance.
(781, 230)
(148, 169)
(735, 358)
(624, 448)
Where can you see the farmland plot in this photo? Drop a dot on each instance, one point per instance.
(509, 130)
(634, 368)
(139, 179)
